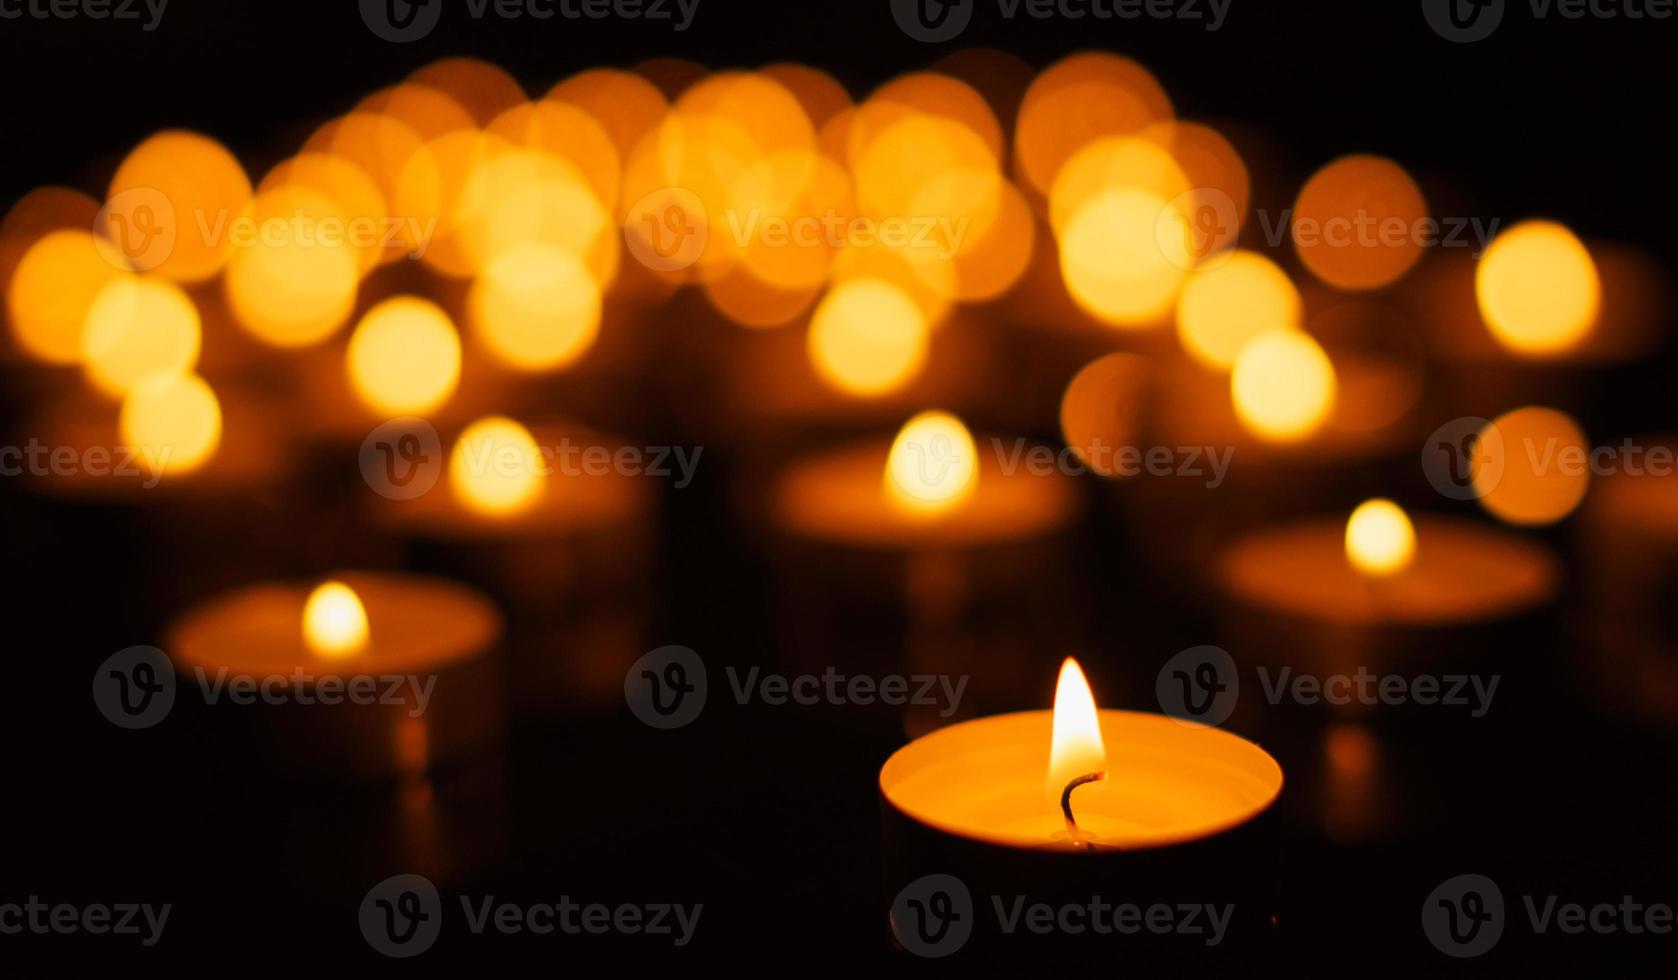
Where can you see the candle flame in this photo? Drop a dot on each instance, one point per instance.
(496, 469)
(1075, 747)
(334, 621)
(1283, 386)
(1380, 540)
(1538, 289)
(933, 466)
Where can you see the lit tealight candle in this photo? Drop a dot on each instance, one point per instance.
(1077, 801)
(1334, 591)
(544, 517)
(931, 487)
(431, 640)
(932, 534)
(1080, 779)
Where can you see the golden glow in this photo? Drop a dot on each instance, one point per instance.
(334, 621)
(1123, 256)
(1077, 101)
(1538, 289)
(1531, 466)
(139, 327)
(1101, 410)
(175, 422)
(933, 466)
(868, 337)
(496, 469)
(1225, 305)
(568, 133)
(1355, 224)
(1075, 748)
(1283, 385)
(483, 90)
(625, 104)
(404, 357)
(54, 287)
(286, 283)
(1112, 164)
(536, 308)
(925, 94)
(356, 196)
(1380, 540)
(177, 184)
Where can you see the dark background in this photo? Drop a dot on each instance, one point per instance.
(769, 816)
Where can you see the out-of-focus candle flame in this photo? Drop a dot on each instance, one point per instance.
(933, 466)
(868, 338)
(1538, 289)
(1283, 385)
(404, 357)
(1380, 541)
(334, 621)
(1075, 748)
(175, 422)
(496, 468)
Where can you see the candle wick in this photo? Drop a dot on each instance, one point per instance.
(1066, 806)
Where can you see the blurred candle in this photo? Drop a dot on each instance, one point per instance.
(1381, 590)
(432, 640)
(933, 539)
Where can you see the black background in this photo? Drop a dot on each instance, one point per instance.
(769, 816)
